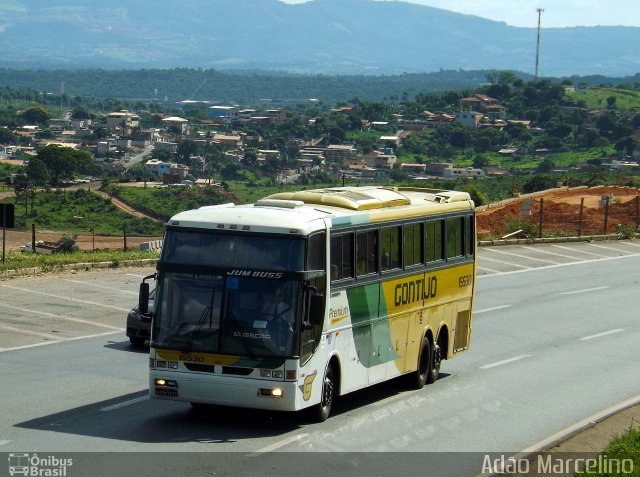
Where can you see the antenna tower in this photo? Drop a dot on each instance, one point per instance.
(539, 10)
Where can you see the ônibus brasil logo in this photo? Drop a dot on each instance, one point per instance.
(36, 466)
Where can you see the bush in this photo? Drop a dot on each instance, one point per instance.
(529, 229)
(68, 244)
(625, 232)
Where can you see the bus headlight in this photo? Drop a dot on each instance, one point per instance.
(267, 373)
(271, 392)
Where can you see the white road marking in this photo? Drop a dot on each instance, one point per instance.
(585, 290)
(32, 333)
(570, 257)
(134, 275)
(490, 270)
(4, 442)
(511, 264)
(61, 317)
(606, 333)
(278, 445)
(576, 251)
(526, 257)
(93, 285)
(45, 343)
(125, 404)
(61, 297)
(505, 361)
(610, 249)
(581, 262)
(630, 244)
(495, 308)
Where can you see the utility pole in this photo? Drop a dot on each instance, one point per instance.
(539, 10)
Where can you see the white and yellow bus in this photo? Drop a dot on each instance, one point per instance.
(287, 303)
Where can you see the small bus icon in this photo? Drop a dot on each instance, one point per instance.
(19, 464)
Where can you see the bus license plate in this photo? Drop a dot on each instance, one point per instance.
(167, 392)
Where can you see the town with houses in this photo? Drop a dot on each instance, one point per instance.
(237, 132)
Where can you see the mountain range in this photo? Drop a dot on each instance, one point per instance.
(321, 36)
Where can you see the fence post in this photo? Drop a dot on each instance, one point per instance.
(580, 219)
(33, 238)
(606, 213)
(4, 230)
(540, 223)
(124, 230)
(637, 212)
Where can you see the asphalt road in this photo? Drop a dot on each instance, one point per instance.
(555, 336)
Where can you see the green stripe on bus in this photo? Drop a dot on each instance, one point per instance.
(364, 302)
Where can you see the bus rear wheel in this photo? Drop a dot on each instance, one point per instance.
(420, 376)
(323, 408)
(434, 367)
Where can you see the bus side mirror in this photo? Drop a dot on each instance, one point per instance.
(143, 298)
(316, 310)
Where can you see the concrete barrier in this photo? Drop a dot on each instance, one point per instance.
(151, 246)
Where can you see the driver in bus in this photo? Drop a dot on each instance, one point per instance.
(279, 320)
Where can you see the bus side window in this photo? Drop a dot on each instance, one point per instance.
(367, 252)
(455, 237)
(390, 248)
(412, 244)
(316, 251)
(471, 235)
(341, 256)
(434, 241)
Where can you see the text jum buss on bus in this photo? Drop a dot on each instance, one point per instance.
(304, 296)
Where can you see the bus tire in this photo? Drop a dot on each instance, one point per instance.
(328, 393)
(199, 406)
(434, 367)
(419, 376)
(136, 341)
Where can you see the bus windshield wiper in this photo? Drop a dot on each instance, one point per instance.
(206, 313)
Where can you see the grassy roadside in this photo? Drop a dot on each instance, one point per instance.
(625, 447)
(57, 262)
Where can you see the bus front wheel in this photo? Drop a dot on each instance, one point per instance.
(421, 375)
(323, 408)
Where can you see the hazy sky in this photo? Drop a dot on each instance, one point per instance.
(557, 13)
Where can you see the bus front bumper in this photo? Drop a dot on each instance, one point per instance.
(223, 390)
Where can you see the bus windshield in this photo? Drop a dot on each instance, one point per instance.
(243, 316)
(215, 249)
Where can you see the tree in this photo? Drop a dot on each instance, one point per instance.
(162, 155)
(36, 115)
(7, 137)
(186, 149)
(37, 172)
(626, 145)
(537, 183)
(80, 113)
(478, 197)
(63, 162)
(480, 161)
(546, 165)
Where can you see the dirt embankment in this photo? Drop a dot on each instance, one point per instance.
(561, 211)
